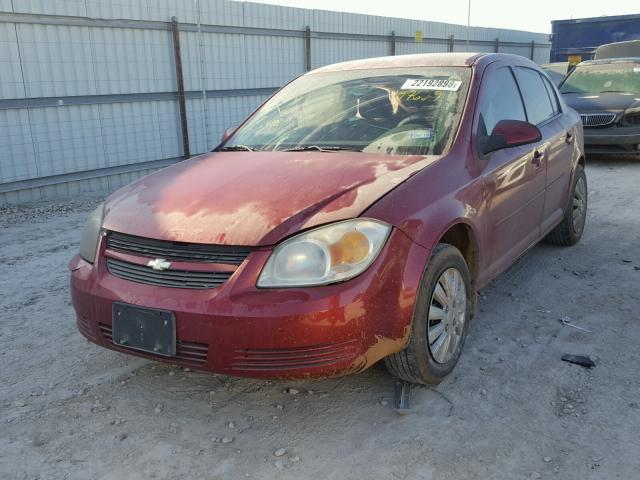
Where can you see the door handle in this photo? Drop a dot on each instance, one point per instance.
(537, 158)
(569, 137)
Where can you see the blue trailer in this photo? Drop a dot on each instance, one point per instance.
(576, 40)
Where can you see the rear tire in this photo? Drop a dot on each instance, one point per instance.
(442, 312)
(570, 230)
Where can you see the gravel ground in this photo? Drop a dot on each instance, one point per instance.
(511, 409)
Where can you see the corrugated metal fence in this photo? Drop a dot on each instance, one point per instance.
(89, 89)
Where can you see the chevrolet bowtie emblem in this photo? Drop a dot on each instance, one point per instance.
(159, 264)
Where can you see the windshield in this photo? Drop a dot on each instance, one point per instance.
(608, 77)
(401, 111)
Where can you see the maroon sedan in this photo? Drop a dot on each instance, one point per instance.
(351, 218)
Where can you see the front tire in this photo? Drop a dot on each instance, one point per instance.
(569, 231)
(440, 321)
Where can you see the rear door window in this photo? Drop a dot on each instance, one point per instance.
(535, 94)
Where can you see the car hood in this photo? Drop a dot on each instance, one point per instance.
(254, 198)
(594, 102)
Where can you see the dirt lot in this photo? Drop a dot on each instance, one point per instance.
(511, 410)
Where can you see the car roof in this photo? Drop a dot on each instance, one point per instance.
(605, 61)
(466, 59)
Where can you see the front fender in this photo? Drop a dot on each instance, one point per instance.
(425, 208)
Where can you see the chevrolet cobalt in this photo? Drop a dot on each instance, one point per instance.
(351, 218)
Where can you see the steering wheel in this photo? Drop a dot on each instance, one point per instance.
(413, 119)
(349, 125)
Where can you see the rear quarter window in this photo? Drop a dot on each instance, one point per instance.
(553, 96)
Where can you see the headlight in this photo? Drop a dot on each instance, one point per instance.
(91, 234)
(328, 254)
(632, 116)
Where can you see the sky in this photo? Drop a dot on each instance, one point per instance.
(531, 15)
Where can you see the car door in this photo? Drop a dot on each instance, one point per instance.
(543, 110)
(514, 178)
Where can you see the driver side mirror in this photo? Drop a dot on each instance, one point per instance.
(227, 134)
(510, 133)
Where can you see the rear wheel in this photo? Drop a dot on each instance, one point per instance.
(569, 231)
(440, 322)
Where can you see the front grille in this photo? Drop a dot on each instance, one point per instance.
(166, 278)
(597, 119)
(293, 358)
(189, 353)
(179, 251)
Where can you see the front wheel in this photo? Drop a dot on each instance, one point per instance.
(569, 231)
(440, 322)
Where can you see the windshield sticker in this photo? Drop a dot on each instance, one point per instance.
(420, 134)
(431, 84)
(417, 96)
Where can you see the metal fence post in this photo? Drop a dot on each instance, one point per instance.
(451, 43)
(307, 48)
(533, 47)
(392, 40)
(180, 81)
(496, 48)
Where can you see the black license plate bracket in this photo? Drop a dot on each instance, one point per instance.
(145, 329)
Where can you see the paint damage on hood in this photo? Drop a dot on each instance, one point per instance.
(254, 198)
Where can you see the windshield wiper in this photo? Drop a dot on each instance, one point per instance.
(316, 148)
(236, 148)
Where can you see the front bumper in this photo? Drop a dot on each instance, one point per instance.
(612, 140)
(237, 329)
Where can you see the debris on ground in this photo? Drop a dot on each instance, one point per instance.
(567, 321)
(403, 397)
(581, 360)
